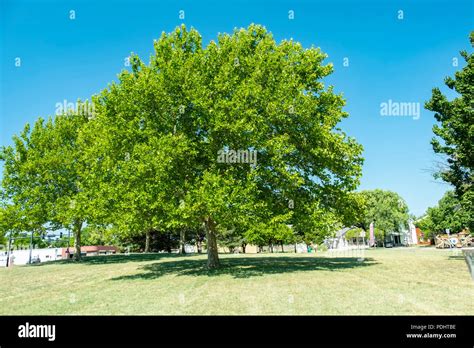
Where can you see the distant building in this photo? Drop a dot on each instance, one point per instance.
(403, 237)
(396, 239)
(92, 250)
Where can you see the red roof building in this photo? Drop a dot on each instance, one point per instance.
(91, 250)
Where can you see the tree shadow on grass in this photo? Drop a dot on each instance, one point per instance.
(112, 259)
(123, 258)
(246, 267)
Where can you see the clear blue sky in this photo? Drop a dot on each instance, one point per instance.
(401, 60)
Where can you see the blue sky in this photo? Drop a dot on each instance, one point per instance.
(389, 59)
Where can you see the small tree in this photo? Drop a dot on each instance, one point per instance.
(43, 174)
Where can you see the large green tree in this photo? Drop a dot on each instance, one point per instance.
(242, 92)
(454, 133)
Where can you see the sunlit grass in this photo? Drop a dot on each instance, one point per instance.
(384, 281)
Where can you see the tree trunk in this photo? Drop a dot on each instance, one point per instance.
(182, 236)
(211, 239)
(8, 250)
(243, 247)
(282, 250)
(198, 244)
(77, 239)
(147, 241)
(168, 247)
(31, 247)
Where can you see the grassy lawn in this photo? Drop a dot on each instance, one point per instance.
(385, 281)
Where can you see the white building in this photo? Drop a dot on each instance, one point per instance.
(21, 257)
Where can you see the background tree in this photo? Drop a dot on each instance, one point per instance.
(454, 134)
(10, 225)
(386, 209)
(449, 213)
(43, 175)
(23, 200)
(233, 239)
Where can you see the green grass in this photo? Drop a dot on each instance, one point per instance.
(385, 281)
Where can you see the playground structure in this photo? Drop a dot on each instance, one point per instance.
(460, 240)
